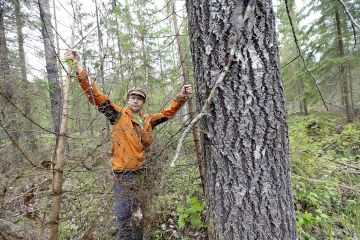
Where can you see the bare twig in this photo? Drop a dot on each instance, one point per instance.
(326, 182)
(286, 64)
(300, 54)
(29, 118)
(13, 141)
(204, 111)
(346, 165)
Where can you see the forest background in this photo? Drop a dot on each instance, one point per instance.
(146, 43)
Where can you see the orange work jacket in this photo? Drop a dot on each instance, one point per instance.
(129, 139)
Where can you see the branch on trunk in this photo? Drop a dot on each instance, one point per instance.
(245, 21)
(300, 54)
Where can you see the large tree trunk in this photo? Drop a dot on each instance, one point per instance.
(30, 137)
(51, 63)
(342, 68)
(245, 140)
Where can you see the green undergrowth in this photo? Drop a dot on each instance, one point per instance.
(325, 153)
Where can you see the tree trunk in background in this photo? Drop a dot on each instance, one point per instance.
(57, 42)
(130, 64)
(342, 68)
(142, 30)
(303, 98)
(351, 88)
(245, 141)
(185, 74)
(51, 63)
(118, 41)
(8, 118)
(100, 74)
(30, 137)
(84, 59)
(301, 85)
(6, 80)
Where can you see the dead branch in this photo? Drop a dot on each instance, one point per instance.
(204, 111)
(300, 54)
(354, 24)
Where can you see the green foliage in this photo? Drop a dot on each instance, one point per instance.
(190, 214)
(327, 201)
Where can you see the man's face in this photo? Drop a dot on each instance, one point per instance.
(135, 102)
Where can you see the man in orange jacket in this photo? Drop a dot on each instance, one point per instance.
(131, 135)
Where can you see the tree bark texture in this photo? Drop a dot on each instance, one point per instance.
(51, 63)
(245, 138)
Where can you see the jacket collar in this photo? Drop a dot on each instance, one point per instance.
(132, 114)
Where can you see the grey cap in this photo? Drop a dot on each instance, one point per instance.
(137, 91)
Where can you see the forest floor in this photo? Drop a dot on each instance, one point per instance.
(325, 158)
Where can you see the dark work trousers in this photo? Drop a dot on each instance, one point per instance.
(125, 203)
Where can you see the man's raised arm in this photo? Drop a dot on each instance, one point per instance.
(94, 95)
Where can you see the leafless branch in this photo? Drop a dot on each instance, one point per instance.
(352, 20)
(286, 64)
(204, 111)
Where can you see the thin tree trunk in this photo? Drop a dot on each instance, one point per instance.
(57, 42)
(101, 52)
(7, 87)
(51, 63)
(30, 137)
(348, 65)
(84, 59)
(185, 74)
(342, 68)
(58, 176)
(6, 80)
(245, 137)
(301, 107)
(303, 98)
(100, 74)
(301, 85)
(118, 39)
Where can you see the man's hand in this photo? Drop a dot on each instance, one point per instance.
(72, 57)
(186, 90)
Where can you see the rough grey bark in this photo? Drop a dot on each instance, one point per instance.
(51, 63)
(245, 139)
